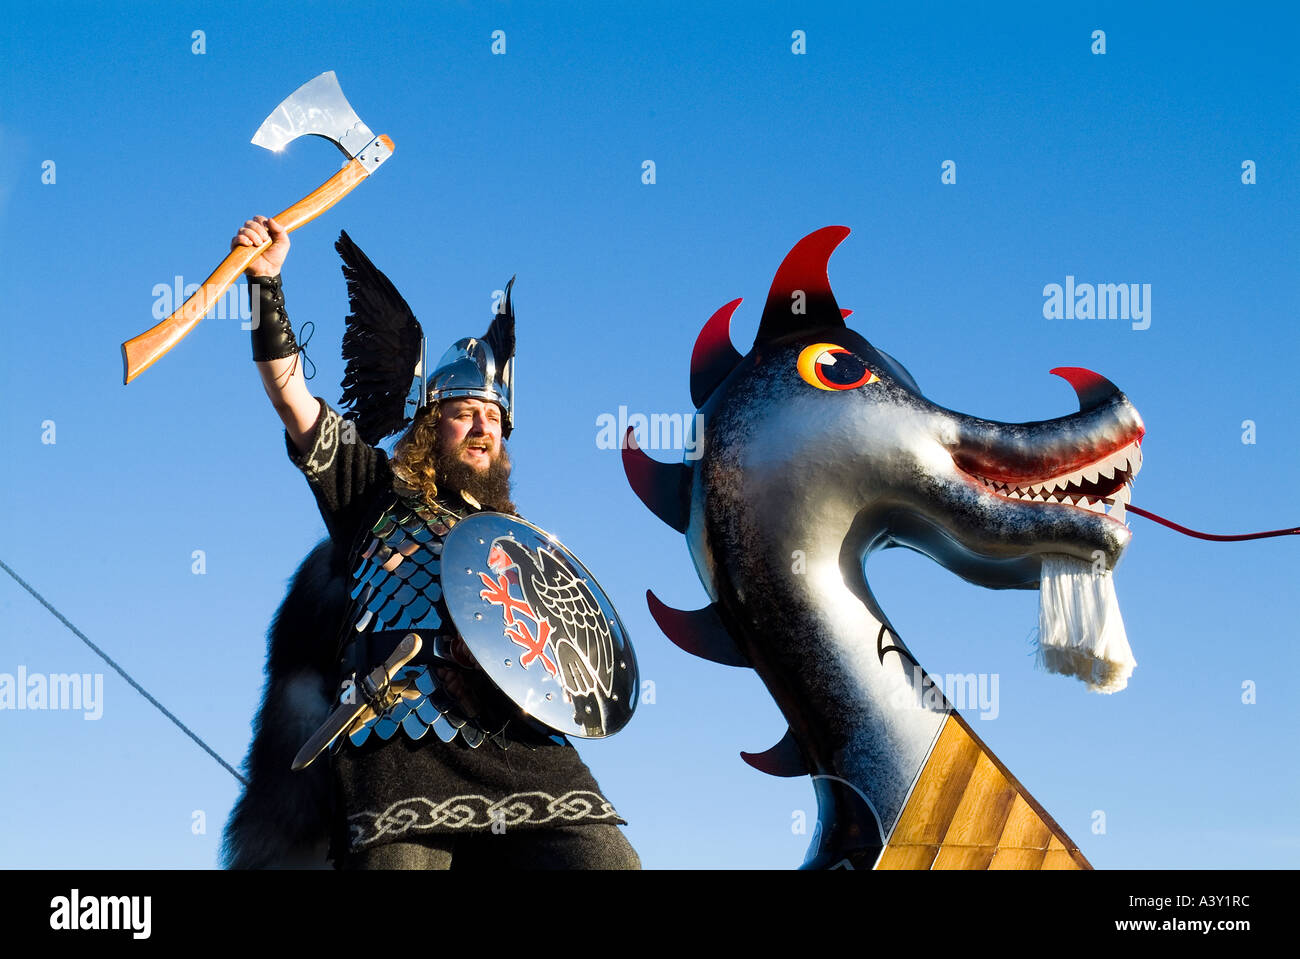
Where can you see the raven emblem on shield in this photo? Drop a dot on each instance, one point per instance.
(569, 636)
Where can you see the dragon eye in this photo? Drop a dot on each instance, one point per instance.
(830, 367)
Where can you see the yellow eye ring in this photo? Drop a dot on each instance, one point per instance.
(813, 360)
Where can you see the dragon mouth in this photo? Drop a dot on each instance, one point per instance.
(1102, 487)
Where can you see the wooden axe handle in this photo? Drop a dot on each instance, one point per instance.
(141, 352)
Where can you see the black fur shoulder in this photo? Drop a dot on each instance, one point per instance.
(282, 819)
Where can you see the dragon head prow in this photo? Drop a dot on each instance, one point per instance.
(820, 427)
(818, 424)
(816, 448)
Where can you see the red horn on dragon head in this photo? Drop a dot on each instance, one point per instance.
(801, 297)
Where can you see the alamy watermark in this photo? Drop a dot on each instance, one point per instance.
(233, 304)
(1099, 301)
(657, 431)
(63, 691)
(75, 912)
(962, 690)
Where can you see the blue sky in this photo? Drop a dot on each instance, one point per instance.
(1122, 167)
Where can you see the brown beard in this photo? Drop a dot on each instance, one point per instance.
(491, 487)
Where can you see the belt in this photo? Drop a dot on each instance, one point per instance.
(366, 650)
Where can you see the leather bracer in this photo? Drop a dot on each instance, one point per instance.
(272, 332)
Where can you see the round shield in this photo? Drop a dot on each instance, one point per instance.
(539, 625)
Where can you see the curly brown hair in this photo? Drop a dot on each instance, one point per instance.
(415, 455)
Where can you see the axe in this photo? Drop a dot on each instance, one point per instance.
(317, 107)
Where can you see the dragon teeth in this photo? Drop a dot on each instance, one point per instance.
(1126, 460)
(1120, 502)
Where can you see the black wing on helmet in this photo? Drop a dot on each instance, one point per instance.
(381, 347)
(500, 334)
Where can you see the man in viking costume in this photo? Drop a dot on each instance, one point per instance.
(432, 766)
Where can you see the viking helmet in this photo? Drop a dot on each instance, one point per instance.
(478, 367)
(388, 379)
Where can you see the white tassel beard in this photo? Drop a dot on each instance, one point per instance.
(1080, 629)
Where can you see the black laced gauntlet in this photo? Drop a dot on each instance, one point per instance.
(273, 337)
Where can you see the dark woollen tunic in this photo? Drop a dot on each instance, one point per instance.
(399, 790)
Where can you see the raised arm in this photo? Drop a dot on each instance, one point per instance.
(274, 347)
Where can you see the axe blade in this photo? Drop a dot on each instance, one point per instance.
(319, 108)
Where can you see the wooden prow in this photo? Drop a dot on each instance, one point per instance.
(967, 811)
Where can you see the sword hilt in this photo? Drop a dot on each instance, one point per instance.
(375, 694)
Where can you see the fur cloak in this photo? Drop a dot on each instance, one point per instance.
(282, 820)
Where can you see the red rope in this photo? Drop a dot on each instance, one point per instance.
(1211, 536)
